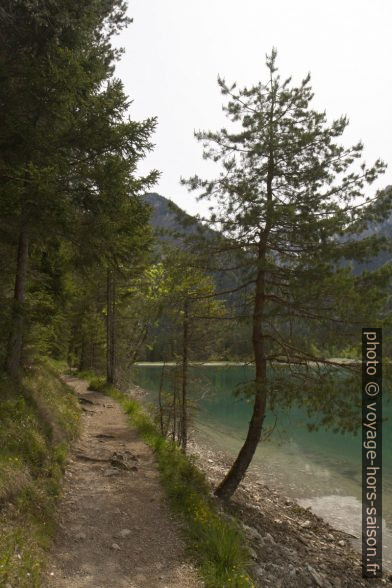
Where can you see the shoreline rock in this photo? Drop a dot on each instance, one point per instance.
(291, 547)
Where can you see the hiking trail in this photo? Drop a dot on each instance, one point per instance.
(115, 529)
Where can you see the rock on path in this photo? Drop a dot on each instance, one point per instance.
(115, 528)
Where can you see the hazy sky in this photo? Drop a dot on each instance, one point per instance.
(175, 50)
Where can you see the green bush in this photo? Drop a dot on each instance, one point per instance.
(97, 383)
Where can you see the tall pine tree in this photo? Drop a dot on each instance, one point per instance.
(290, 203)
(63, 120)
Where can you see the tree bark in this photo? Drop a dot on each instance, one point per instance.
(110, 329)
(184, 401)
(238, 470)
(15, 341)
(174, 436)
(160, 399)
(82, 357)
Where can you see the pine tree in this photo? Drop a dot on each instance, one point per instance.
(290, 203)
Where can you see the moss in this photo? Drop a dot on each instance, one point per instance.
(37, 423)
(217, 545)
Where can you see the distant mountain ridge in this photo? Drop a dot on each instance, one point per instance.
(168, 217)
(174, 226)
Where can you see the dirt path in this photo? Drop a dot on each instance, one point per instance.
(115, 528)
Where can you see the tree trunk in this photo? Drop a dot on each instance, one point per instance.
(110, 329)
(15, 341)
(160, 399)
(82, 357)
(184, 407)
(238, 470)
(174, 436)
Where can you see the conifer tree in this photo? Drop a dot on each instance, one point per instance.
(290, 203)
(64, 124)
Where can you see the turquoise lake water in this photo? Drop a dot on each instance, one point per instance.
(320, 469)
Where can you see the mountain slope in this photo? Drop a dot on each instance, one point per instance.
(170, 221)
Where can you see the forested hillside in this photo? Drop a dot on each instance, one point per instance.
(173, 225)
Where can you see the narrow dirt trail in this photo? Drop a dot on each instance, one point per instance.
(115, 528)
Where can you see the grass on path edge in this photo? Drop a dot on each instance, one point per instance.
(213, 539)
(38, 420)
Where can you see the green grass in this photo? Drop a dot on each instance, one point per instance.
(217, 545)
(37, 422)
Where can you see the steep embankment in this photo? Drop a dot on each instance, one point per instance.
(37, 422)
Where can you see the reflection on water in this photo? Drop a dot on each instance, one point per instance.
(320, 469)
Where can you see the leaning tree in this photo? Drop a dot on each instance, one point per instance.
(291, 205)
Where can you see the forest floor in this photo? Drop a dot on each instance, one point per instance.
(115, 529)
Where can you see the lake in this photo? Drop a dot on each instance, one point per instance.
(320, 469)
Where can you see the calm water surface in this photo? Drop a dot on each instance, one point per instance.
(320, 469)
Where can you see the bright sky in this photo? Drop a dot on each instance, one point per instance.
(175, 50)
